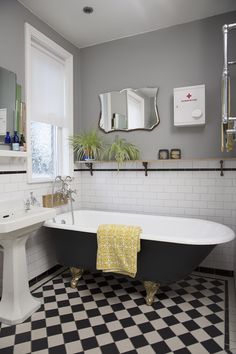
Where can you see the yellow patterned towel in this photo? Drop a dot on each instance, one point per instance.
(118, 246)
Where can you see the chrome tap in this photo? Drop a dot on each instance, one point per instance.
(57, 178)
(65, 191)
(27, 205)
(33, 200)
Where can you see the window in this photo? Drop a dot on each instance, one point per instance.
(49, 101)
(135, 107)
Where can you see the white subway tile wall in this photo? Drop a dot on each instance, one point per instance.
(200, 194)
(197, 194)
(40, 253)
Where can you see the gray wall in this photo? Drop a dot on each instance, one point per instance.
(188, 54)
(12, 18)
(183, 55)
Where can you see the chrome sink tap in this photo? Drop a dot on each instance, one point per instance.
(33, 200)
(27, 205)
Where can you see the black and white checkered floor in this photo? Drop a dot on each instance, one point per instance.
(107, 314)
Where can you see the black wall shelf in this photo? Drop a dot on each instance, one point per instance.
(90, 166)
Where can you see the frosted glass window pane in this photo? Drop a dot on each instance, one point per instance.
(48, 88)
(42, 149)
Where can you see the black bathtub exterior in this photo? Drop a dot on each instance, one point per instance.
(162, 262)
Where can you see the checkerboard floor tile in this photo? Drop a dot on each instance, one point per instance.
(107, 314)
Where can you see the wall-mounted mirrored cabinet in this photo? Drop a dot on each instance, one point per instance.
(7, 101)
(129, 110)
(12, 113)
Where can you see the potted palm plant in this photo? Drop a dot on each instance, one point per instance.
(87, 145)
(121, 150)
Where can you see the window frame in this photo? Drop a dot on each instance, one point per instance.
(33, 35)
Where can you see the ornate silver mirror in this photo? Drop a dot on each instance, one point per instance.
(129, 110)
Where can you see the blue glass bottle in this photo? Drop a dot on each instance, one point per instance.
(7, 138)
(15, 138)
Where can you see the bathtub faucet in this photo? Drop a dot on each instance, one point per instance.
(65, 191)
(68, 193)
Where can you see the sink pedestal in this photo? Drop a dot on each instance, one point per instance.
(16, 224)
(17, 303)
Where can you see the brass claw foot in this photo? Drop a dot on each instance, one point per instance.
(151, 290)
(76, 275)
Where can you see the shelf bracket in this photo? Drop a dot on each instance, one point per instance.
(221, 168)
(145, 165)
(90, 166)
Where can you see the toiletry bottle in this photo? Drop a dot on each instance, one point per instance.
(7, 138)
(22, 143)
(15, 142)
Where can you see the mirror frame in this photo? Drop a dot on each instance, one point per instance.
(130, 130)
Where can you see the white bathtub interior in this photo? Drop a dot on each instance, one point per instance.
(157, 228)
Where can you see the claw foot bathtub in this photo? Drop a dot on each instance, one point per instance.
(171, 247)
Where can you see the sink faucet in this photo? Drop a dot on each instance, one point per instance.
(27, 204)
(33, 200)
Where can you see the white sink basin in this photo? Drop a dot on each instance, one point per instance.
(16, 224)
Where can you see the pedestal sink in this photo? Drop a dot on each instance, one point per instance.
(16, 224)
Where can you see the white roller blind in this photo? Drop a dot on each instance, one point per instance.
(48, 87)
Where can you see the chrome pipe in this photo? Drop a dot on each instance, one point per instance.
(225, 78)
(69, 192)
(66, 191)
(233, 62)
(72, 210)
(232, 26)
(231, 131)
(57, 178)
(68, 178)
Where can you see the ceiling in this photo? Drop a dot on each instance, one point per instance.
(113, 19)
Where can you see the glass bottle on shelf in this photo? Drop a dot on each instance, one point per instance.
(22, 143)
(7, 138)
(15, 142)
